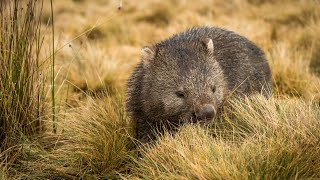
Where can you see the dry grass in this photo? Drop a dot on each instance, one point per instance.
(91, 72)
(255, 139)
(291, 74)
(22, 76)
(94, 141)
(97, 46)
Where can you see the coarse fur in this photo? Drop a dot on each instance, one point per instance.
(179, 79)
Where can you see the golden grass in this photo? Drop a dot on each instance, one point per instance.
(255, 139)
(291, 74)
(97, 48)
(100, 137)
(93, 140)
(92, 71)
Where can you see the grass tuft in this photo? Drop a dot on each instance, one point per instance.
(22, 76)
(250, 141)
(92, 72)
(100, 138)
(94, 141)
(294, 16)
(291, 76)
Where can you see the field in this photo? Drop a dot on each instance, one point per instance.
(63, 72)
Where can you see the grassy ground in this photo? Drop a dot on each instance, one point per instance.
(97, 46)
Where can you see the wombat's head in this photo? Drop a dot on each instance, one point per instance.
(183, 82)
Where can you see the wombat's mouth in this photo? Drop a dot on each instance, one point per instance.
(195, 119)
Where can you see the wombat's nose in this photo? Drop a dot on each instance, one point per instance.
(206, 112)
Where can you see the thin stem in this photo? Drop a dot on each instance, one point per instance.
(54, 127)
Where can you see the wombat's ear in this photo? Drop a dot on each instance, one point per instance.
(207, 42)
(147, 54)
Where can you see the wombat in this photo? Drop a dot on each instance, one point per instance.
(187, 77)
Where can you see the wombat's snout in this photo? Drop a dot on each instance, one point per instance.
(206, 112)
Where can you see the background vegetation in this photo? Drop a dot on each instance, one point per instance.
(62, 92)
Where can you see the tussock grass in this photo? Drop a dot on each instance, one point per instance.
(298, 13)
(99, 136)
(291, 74)
(254, 139)
(94, 141)
(307, 42)
(22, 77)
(91, 71)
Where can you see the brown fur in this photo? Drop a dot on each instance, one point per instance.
(186, 78)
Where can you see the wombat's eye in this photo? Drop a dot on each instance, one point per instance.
(180, 94)
(213, 89)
